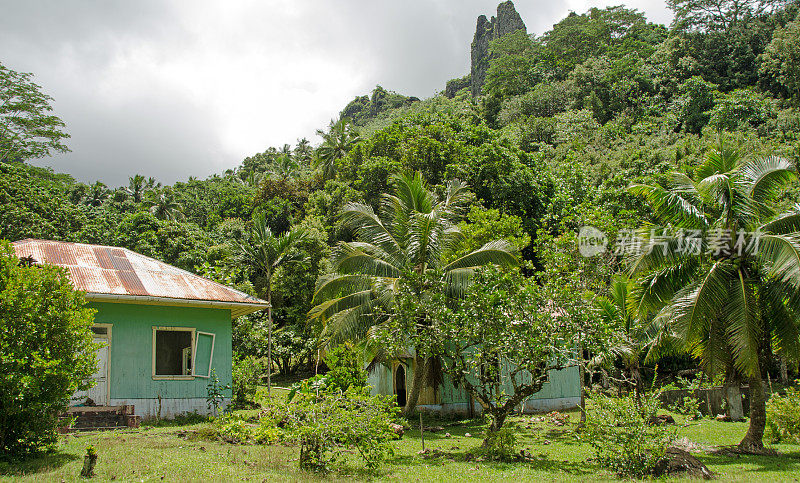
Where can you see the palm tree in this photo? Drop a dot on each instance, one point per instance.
(98, 193)
(303, 151)
(636, 341)
(336, 143)
(151, 184)
(164, 206)
(136, 187)
(265, 253)
(731, 299)
(284, 168)
(408, 240)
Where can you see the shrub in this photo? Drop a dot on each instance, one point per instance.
(689, 406)
(742, 107)
(215, 393)
(246, 374)
(234, 428)
(783, 418)
(622, 436)
(500, 445)
(345, 371)
(326, 425)
(46, 352)
(346, 368)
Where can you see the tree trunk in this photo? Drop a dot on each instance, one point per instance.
(497, 420)
(638, 384)
(784, 371)
(753, 440)
(420, 367)
(582, 378)
(733, 396)
(269, 342)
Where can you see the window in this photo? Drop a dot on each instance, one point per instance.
(182, 353)
(172, 352)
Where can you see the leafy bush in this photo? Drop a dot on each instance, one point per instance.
(783, 419)
(46, 352)
(327, 424)
(215, 393)
(500, 445)
(623, 438)
(742, 106)
(689, 406)
(346, 367)
(345, 371)
(247, 374)
(234, 428)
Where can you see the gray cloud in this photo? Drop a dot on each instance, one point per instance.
(188, 88)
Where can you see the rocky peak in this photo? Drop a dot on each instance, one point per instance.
(506, 22)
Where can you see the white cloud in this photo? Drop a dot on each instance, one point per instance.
(189, 88)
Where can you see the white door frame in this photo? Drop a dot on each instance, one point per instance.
(106, 336)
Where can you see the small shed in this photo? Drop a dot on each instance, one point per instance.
(163, 330)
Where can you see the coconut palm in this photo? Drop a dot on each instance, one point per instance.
(336, 143)
(265, 253)
(303, 150)
(636, 341)
(730, 298)
(408, 239)
(97, 195)
(164, 206)
(136, 187)
(284, 168)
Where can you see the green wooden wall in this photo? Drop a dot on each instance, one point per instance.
(132, 348)
(563, 383)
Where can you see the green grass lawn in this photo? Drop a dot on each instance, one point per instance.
(160, 452)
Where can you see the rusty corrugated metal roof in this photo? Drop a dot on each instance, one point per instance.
(114, 271)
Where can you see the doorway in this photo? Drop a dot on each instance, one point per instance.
(98, 393)
(400, 385)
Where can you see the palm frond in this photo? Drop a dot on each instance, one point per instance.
(356, 259)
(784, 223)
(762, 178)
(742, 329)
(781, 255)
(670, 208)
(500, 252)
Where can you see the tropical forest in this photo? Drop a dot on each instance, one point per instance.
(580, 260)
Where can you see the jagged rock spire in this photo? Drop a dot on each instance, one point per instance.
(506, 22)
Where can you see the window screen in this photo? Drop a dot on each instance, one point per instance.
(173, 352)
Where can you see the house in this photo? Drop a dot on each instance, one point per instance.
(163, 330)
(562, 391)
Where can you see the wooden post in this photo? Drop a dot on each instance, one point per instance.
(421, 433)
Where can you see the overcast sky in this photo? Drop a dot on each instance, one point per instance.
(174, 89)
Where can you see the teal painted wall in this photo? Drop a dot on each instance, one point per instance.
(563, 383)
(131, 351)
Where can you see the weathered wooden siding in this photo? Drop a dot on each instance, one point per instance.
(131, 353)
(561, 391)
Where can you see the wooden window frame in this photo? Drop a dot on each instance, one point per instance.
(188, 377)
(210, 357)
